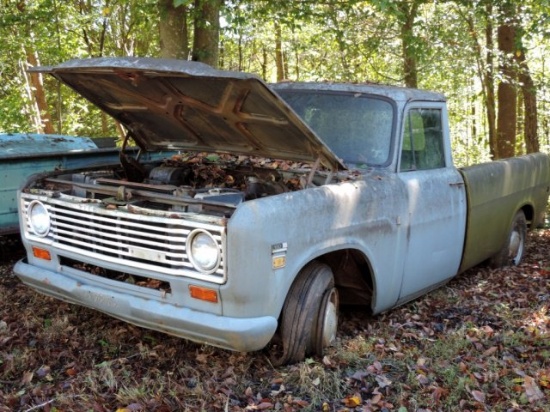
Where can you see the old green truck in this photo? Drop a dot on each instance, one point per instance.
(24, 154)
(286, 201)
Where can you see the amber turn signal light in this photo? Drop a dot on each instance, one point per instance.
(41, 253)
(198, 292)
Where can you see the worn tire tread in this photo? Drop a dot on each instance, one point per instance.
(501, 258)
(300, 309)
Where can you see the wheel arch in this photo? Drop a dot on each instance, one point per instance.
(353, 275)
(353, 272)
(529, 212)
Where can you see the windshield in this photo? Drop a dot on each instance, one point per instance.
(356, 127)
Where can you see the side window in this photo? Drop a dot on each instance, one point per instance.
(422, 140)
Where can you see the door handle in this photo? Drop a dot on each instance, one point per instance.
(456, 184)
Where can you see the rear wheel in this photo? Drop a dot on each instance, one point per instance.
(512, 251)
(309, 319)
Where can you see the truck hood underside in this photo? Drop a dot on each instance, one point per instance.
(184, 105)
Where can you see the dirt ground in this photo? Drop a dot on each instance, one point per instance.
(479, 343)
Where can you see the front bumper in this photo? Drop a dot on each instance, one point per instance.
(240, 334)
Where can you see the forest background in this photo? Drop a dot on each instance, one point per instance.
(480, 343)
(490, 58)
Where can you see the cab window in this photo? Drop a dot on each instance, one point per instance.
(422, 147)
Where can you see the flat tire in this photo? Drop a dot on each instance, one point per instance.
(513, 249)
(309, 318)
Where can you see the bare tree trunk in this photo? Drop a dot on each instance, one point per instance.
(264, 63)
(38, 93)
(207, 31)
(44, 123)
(529, 94)
(489, 82)
(240, 48)
(279, 56)
(507, 94)
(33, 111)
(410, 70)
(173, 30)
(297, 64)
(485, 69)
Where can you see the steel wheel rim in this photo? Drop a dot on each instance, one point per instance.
(330, 319)
(516, 247)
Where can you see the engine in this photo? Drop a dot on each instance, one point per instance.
(201, 183)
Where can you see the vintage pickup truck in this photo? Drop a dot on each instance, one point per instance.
(285, 202)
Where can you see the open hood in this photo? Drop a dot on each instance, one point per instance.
(184, 105)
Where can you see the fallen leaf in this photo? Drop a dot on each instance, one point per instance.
(359, 375)
(352, 401)
(43, 371)
(202, 358)
(478, 396)
(27, 378)
(439, 393)
(300, 402)
(383, 381)
(376, 398)
(327, 361)
(490, 351)
(422, 379)
(532, 390)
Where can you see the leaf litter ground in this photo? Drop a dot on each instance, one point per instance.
(480, 343)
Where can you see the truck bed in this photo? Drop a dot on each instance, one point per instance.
(495, 192)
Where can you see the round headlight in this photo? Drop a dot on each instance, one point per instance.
(203, 251)
(39, 218)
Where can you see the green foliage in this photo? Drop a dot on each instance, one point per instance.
(335, 40)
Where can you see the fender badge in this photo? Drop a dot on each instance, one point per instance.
(278, 255)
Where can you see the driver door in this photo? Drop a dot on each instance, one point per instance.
(436, 201)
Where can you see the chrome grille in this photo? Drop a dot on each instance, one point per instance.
(149, 242)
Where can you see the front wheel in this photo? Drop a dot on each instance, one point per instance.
(514, 247)
(309, 319)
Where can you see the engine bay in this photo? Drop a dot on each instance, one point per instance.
(190, 182)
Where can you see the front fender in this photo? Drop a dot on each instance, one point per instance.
(301, 226)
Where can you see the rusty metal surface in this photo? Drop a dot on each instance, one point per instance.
(26, 145)
(496, 191)
(172, 104)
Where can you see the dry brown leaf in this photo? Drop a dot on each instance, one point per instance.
(27, 378)
(201, 358)
(478, 396)
(490, 351)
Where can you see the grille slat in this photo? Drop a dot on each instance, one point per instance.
(155, 243)
(80, 216)
(119, 240)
